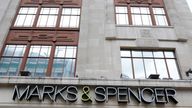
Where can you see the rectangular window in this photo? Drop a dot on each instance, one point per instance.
(121, 15)
(160, 17)
(11, 60)
(70, 17)
(37, 61)
(141, 16)
(139, 64)
(48, 17)
(25, 17)
(64, 61)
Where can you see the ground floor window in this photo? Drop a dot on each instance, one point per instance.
(38, 60)
(140, 64)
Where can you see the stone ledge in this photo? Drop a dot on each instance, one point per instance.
(98, 82)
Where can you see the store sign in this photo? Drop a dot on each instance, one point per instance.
(99, 94)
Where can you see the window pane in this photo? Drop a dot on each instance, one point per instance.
(139, 68)
(169, 54)
(161, 20)
(54, 11)
(45, 11)
(31, 65)
(45, 51)
(68, 65)
(146, 19)
(122, 19)
(9, 50)
(127, 71)
(136, 19)
(34, 51)
(66, 11)
(19, 51)
(149, 67)
(75, 11)
(41, 67)
(74, 21)
(65, 20)
(161, 68)
(125, 53)
(32, 10)
(14, 66)
(144, 10)
(173, 70)
(135, 10)
(158, 11)
(20, 20)
(29, 22)
(147, 54)
(158, 54)
(60, 51)
(136, 54)
(121, 9)
(58, 67)
(23, 10)
(42, 21)
(4, 66)
(51, 22)
(71, 52)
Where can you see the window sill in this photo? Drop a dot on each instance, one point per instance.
(144, 26)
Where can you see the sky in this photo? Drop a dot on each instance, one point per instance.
(190, 4)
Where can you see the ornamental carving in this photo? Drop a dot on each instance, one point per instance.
(63, 37)
(155, 2)
(64, 2)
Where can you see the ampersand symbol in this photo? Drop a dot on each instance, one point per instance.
(85, 96)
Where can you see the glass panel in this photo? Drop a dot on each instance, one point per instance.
(73, 21)
(161, 20)
(173, 70)
(9, 50)
(23, 10)
(136, 54)
(126, 53)
(31, 65)
(20, 20)
(146, 19)
(54, 11)
(149, 67)
(34, 51)
(29, 20)
(68, 64)
(42, 20)
(45, 10)
(41, 67)
(135, 10)
(122, 18)
(71, 52)
(65, 20)
(66, 11)
(136, 19)
(51, 22)
(75, 11)
(139, 68)
(161, 68)
(45, 51)
(158, 11)
(144, 10)
(32, 11)
(4, 66)
(14, 66)
(121, 10)
(147, 54)
(127, 71)
(58, 69)
(158, 54)
(169, 54)
(19, 51)
(60, 51)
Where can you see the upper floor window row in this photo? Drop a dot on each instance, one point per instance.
(48, 17)
(141, 16)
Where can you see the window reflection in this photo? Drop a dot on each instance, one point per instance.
(140, 64)
(160, 16)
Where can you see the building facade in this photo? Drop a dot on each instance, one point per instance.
(95, 53)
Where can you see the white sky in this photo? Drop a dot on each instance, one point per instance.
(190, 4)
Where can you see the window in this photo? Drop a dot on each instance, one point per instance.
(37, 61)
(70, 17)
(26, 17)
(139, 64)
(11, 60)
(64, 61)
(121, 15)
(160, 16)
(48, 17)
(141, 16)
